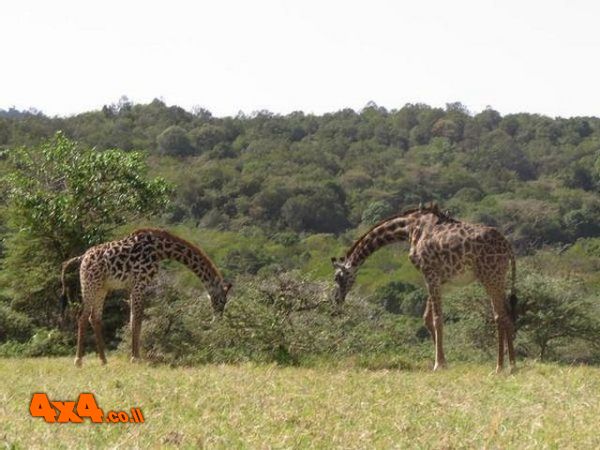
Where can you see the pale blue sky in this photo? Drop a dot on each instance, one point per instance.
(65, 57)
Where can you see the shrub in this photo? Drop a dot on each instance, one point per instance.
(45, 342)
(556, 311)
(376, 212)
(174, 142)
(285, 319)
(553, 313)
(398, 297)
(14, 325)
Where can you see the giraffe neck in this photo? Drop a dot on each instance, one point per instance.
(388, 232)
(192, 257)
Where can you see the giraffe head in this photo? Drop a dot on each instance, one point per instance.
(344, 277)
(218, 296)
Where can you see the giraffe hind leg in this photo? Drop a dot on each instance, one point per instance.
(510, 335)
(81, 326)
(96, 322)
(92, 305)
(503, 323)
(136, 322)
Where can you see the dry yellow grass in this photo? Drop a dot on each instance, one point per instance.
(250, 406)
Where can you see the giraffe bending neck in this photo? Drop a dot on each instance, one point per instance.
(173, 247)
(408, 226)
(384, 233)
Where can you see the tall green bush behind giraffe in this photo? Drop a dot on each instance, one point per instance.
(62, 198)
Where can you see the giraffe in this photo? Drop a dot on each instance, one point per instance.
(131, 263)
(441, 248)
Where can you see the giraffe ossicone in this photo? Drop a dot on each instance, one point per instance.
(132, 263)
(442, 248)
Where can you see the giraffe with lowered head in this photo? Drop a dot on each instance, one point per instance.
(132, 263)
(442, 248)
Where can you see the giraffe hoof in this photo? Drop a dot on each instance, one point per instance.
(439, 366)
(103, 362)
(134, 359)
(78, 362)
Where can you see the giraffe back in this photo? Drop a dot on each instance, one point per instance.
(446, 250)
(118, 263)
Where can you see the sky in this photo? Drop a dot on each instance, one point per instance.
(64, 57)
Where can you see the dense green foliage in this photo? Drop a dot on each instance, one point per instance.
(533, 176)
(60, 200)
(265, 194)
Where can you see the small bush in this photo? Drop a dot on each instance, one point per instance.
(398, 297)
(14, 325)
(285, 319)
(555, 314)
(44, 342)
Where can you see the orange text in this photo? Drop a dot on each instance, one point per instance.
(76, 411)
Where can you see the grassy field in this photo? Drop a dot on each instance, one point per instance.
(249, 406)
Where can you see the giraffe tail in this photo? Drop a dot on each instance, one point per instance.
(512, 299)
(64, 298)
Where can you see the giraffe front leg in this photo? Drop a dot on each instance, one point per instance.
(428, 319)
(136, 328)
(501, 335)
(438, 323)
(435, 304)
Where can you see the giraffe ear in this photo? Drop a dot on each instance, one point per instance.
(227, 286)
(420, 206)
(336, 262)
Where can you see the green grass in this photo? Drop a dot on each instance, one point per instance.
(250, 406)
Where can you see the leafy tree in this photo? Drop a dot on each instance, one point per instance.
(555, 309)
(510, 125)
(581, 223)
(376, 212)
(205, 137)
(61, 199)
(174, 142)
(247, 260)
(445, 128)
(321, 209)
(488, 119)
(500, 152)
(398, 297)
(4, 131)
(579, 176)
